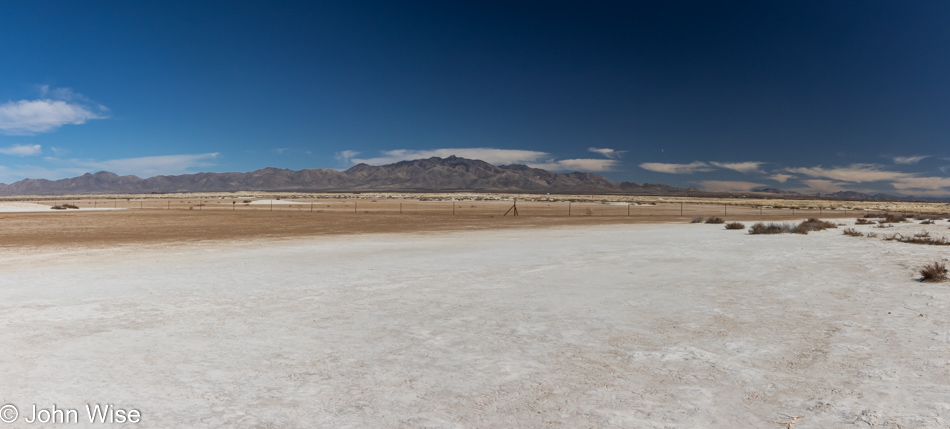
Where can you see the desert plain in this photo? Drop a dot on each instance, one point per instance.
(233, 314)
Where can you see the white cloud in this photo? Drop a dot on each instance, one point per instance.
(535, 159)
(742, 167)
(609, 153)
(62, 106)
(346, 155)
(906, 160)
(693, 167)
(280, 151)
(916, 184)
(822, 186)
(594, 165)
(146, 166)
(22, 150)
(856, 173)
(489, 155)
(781, 178)
(728, 185)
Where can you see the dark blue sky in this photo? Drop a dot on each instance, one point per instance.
(817, 96)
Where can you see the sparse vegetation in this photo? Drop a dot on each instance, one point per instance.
(891, 218)
(862, 221)
(772, 228)
(927, 222)
(70, 206)
(697, 219)
(926, 239)
(813, 224)
(715, 220)
(872, 234)
(935, 272)
(851, 232)
(58, 208)
(735, 225)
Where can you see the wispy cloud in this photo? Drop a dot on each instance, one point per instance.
(593, 165)
(495, 156)
(489, 155)
(742, 167)
(609, 153)
(781, 178)
(22, 150)
(855, 173)
(146, 166)
(821, 185)
(62, 106)
(282, 150)
(693, 167)
(906, 160)
(728, 185)
(346, 155)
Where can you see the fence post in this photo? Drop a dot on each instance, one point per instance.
(569, 208)
(628, 209)
(724, 210)
(400, 207)
(681, 209)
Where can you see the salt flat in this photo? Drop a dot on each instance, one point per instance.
(630, 326)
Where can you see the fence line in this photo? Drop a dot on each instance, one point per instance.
(469, 207)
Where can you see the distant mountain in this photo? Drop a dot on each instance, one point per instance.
(433, 174)
(421, 175)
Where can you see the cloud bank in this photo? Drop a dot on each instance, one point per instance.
(693, 167)
(22, 150)
(535, 159)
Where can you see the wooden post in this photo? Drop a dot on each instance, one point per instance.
(569, 208)
(724, 210)
(271, 205)
(628, 209)
(233, 205)
(681, 209)
(115, 204)
(453, 208)
(311, 207)
(169, 205)
(400, 207)
(354, 205)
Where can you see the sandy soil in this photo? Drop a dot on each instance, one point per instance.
(74, 230)
(594, 325)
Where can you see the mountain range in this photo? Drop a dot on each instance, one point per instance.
(422, 175)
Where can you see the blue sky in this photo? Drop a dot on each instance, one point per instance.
(815, 96)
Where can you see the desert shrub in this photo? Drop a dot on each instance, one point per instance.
(935, 272)
(927, 222)
(923, 234)
(70, 206)
(927, 239)
(862, 221)
(872, 234)
(873, 215)
(715, 220)
(928, 217)
(773, 228)
(58, 208)
(892, 237)
(814, 225)
(735, 225)
(697, 219)
(851, 232)
(882, 224)
(891, 218)
(590, 212)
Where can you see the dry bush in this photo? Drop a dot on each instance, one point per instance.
(851, 232)
(773, 228)
(813, 224)
(927, 222)
(58, 208)
(697, 219)
(735, 225)
(925, 240)
(923, 234)
(862, 221)
(873, 215)
(70, 206)
(935, 272)
(928, 217)
(891, 218)
(715, 220)
(872, 234)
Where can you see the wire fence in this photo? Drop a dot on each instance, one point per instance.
(464, 207)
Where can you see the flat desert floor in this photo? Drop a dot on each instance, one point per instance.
(542, 323)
